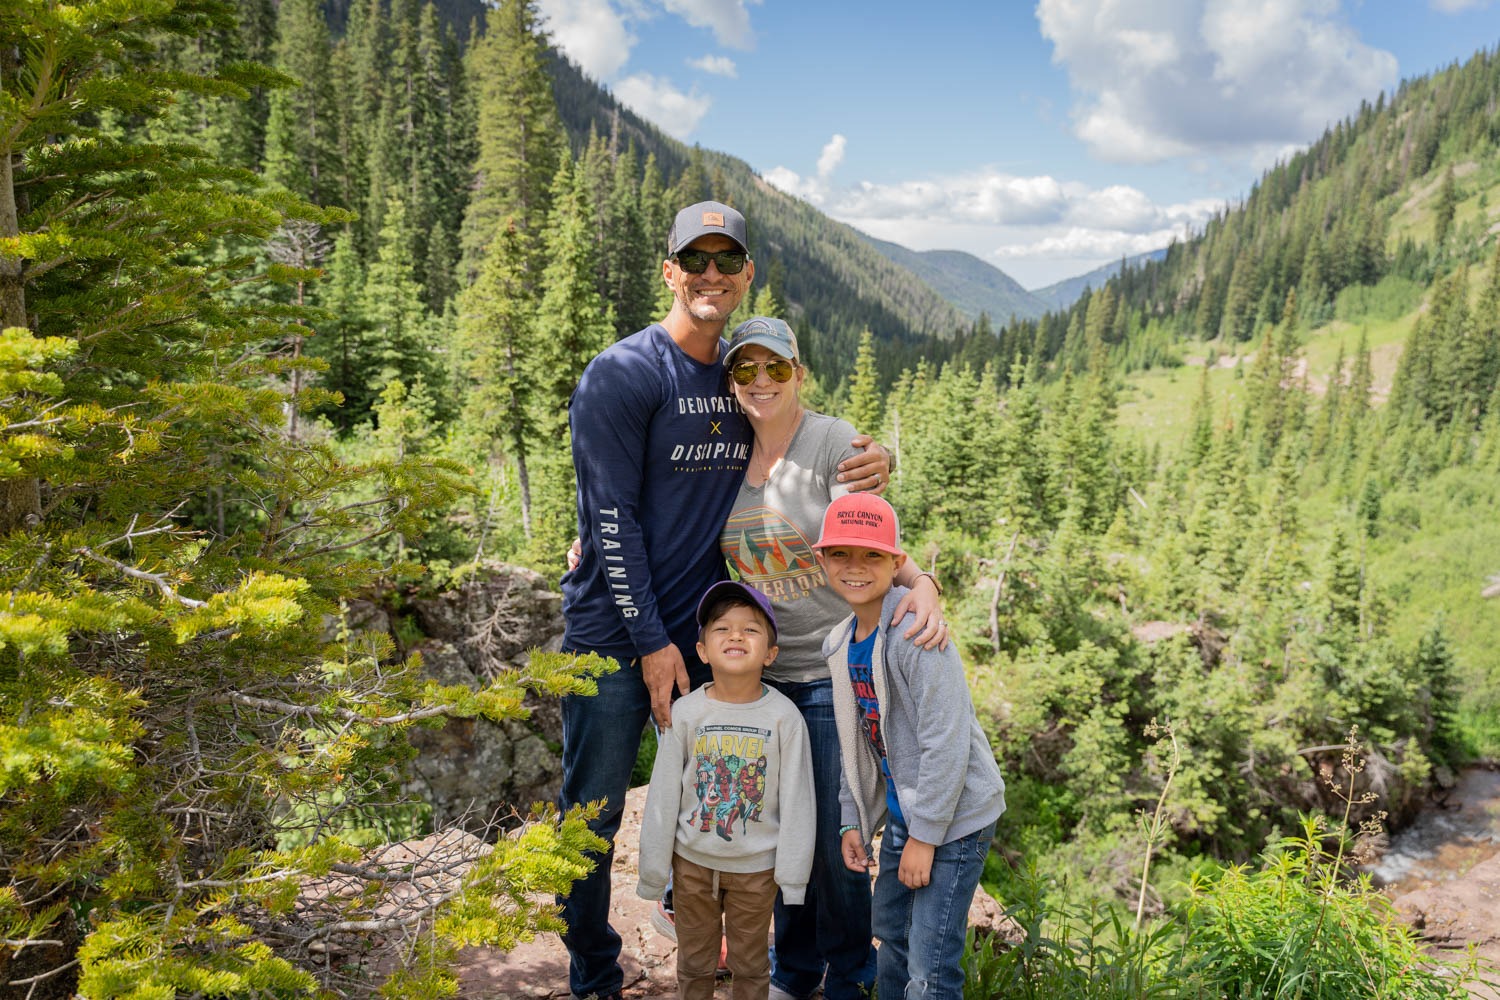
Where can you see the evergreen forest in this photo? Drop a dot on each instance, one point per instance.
(292, 300)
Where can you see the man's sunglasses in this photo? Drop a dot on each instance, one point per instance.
(727, 261)
(744, 372)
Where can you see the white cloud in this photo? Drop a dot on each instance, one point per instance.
(1042, 228)
(661, 103)
(1457, 6)
(832, 156)
(717, 65)
(1079, 243)
(813, 190)
(1164, 78)
(591, 32)
(728, 19)
(984, 197)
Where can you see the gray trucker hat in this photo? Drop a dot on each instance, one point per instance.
(703, 219)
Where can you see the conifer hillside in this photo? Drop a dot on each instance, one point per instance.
(290, 312)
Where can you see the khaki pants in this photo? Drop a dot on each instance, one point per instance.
(703, 900)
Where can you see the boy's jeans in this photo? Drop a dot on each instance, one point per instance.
(832, 931)
(921, 931)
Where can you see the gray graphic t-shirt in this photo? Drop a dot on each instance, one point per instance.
(768, 542)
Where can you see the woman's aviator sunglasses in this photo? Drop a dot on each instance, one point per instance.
(744, 372)
(727, 261)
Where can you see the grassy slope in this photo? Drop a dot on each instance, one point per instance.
(1442, 540)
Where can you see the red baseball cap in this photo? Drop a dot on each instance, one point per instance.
(861, 519)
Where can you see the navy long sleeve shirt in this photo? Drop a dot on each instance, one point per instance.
(660, 448)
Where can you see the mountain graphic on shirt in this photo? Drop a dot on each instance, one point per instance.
(763, 545)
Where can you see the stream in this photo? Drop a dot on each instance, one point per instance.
(1447, 838)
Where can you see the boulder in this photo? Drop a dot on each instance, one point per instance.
(476, 773)
(498, 613)
(361, 616)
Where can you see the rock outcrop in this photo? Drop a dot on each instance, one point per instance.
(476, 773)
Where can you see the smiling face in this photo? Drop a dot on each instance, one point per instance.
(861, 576)
(737, 642)
(708, 297)
(766, 399)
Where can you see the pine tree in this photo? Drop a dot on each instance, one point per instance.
(691, 186)
(341, 341)
(864, 388)
(1027, 500)
(498, 330)
(520, 138)
(1436, 668)
(1201, 437)
(1447, 206)
(402, 336)
(627, 246)
(301, 136)
(166, 709)
(574, 324)
(1237, 322)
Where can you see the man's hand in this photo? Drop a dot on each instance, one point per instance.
(930, 629)
(916, 864)
(853, 848)
(575, 554)
(870, 470)
(659, 670)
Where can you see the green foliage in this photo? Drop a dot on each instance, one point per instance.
(519, 138)
(179, 740)
(1296, 929)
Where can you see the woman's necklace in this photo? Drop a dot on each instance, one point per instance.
(762, 460)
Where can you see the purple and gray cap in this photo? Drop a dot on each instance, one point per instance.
(737, 589)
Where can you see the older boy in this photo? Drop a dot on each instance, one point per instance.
(914, 758)
(730, 811)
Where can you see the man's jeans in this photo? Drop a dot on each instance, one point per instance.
(601, 737)
(832, 930)
(921, 931)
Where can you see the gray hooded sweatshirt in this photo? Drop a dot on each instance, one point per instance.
(945, 773)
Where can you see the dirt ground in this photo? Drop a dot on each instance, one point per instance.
(540, 968)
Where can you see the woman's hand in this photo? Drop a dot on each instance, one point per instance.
(930, 629)
(870, 470)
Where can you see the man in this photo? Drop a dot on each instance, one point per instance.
(659, 448)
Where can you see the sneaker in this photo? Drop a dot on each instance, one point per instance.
(777, 993)
(722, 972)
(662, 920)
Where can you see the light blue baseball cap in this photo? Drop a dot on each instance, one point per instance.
(772, 334)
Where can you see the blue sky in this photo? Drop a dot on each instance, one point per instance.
(1046, 138)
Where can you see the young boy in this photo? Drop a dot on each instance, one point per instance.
(914, 757)
(730, 811)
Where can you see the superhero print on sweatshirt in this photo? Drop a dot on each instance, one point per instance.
(731, 777)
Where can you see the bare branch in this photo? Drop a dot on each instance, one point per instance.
(318, 711)
(140, 574)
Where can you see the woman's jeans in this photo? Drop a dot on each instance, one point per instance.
(831, 931)
(921, 931)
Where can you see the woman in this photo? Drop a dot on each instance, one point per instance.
(792, 476)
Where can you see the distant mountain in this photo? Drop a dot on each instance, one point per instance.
(836, 283)
(1062, 294)
(971, 285)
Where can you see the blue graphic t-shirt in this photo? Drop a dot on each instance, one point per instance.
(862, 678)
